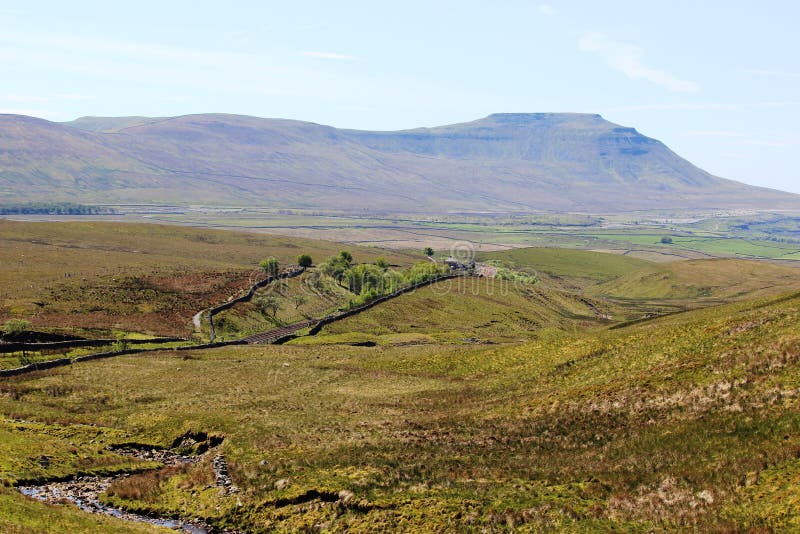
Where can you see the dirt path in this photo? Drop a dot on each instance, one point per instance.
(196, 318)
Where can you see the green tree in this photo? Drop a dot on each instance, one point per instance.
(337, 266)
(666, 240)
(382, 264)
(364, 277)
(267, 304)
(428, 251)
(305, 261)
(271, 266)
(346, 257)
(299, 300)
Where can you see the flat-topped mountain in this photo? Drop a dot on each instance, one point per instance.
(509, 161)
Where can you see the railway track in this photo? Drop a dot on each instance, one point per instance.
(271, 336)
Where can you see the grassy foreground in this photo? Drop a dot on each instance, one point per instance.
(688, 422)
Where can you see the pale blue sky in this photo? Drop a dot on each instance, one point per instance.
(718, 81)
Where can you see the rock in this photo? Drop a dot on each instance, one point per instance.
(346, 497)
(706, 496)
(283, 483)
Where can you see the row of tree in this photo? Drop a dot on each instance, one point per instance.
(369, 281)
(272, 266)
(53, 208)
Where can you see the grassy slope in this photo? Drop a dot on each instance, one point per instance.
(481, 308)
(685, 422)
(644, 287)
(245, 318)
(722, 279)
(573, 264)
(137, 277)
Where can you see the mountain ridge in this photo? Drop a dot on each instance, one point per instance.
(501, 162)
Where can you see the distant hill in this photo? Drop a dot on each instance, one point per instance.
(111, 124)
(504, 162)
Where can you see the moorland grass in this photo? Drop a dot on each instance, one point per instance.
(92, 278)
(573, 264)
(672, 424)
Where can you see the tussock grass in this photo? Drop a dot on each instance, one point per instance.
(658, 425)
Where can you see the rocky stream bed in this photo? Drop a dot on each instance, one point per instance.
(84, 491)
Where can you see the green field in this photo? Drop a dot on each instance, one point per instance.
(577, 264)
(694, 234)
(757, 236)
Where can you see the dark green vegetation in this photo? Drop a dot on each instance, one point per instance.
(46, 208)
(515, 162)
(471, 404)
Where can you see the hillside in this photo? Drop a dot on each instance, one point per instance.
(97, 278)
(473, 403)
(547, 161)
(687, 423)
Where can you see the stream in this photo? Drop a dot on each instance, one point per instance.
(84, 492)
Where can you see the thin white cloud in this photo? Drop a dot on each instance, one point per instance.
(774, 143)
(679, 107)
(546, 9)
(714, 133)
(73, 97)
(743, 138)
(629, 60)
(24, 99)
(180, 69)
(38, 99)
(708, 106)
(784, 104)
(772, 73)
(328, 55)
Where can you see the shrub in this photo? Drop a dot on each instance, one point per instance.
(120, 344)
(267, 304)
(304, 260)
(337, 265)
(15, 326)
(270, 266)
(423, 271)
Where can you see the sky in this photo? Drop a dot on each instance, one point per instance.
(717, 81)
